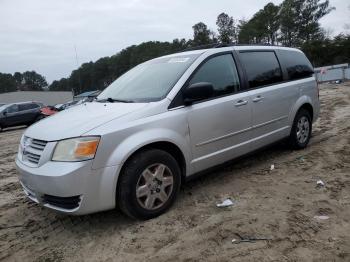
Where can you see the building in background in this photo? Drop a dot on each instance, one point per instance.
(45, 97)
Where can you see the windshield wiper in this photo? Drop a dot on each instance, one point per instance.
(112, 100)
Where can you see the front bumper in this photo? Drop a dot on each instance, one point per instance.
(54, 183)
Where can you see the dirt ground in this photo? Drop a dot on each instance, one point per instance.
(280, 205)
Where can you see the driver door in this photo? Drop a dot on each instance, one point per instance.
(220, 127)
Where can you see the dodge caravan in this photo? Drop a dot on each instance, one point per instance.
(163, 121)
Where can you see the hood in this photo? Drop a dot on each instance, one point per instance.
(80, 119)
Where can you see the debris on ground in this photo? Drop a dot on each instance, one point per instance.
(248, 239)
(319, 183)
(321, 217)
(226, 203)
(301, 158)
(272, 167)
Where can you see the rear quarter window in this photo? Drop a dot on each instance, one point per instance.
(33, 106)
(22, 107)
(262, 68)
(296, 64)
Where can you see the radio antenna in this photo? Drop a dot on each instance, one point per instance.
(76, 59)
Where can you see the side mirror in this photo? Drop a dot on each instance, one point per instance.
(4, 113)
(198, 91)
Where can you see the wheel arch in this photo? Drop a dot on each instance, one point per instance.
(174, 143)
(166, 146)
(303, 102)
(308, 107)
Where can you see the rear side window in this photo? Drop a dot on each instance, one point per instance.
(296, 63)
(262, 68)
(23, 107)
(32, 106)
(221, 72)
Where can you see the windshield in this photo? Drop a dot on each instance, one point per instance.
(2, 107)
(148, 82)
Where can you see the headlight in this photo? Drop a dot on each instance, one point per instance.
(76, 149)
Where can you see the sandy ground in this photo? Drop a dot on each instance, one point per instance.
(279, 205)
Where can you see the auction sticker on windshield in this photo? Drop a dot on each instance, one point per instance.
(178, 60)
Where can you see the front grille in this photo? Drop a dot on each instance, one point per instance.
(32, 150)
(33, 158)
(38, 144)
(62, 202)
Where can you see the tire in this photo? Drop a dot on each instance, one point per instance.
(146, 189)
(301, 130)
(1, 128)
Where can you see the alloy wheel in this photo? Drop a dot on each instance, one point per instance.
(154, 186)
(303, 129)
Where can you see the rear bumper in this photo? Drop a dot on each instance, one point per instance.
(72, 188)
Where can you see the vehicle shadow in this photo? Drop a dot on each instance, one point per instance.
(264, 155)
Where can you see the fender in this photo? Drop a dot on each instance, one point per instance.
(143, 138)
(138, 140)
(298, 104)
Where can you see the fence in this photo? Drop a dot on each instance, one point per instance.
(333, 73)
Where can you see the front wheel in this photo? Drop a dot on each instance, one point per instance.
(301, 130)
(148, 184)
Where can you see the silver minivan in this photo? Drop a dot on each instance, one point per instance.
(163, 121)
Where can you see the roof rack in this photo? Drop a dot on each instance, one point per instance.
(199, 47)
(219, 45)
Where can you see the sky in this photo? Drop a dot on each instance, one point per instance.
(42, 35)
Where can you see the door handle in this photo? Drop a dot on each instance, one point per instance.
(241, 103)
(257, 99)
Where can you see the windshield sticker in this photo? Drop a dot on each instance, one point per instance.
(178, 60)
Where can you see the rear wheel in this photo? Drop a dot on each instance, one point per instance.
(148, 184)
(301, 130)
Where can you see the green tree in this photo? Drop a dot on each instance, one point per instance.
(262, 28)
(32, 81)
(18, 78)
(337, 50)
(60, 85)
(7, 83)
(201, 34)
(226, 28)
(270, 19)
(245, 32)
(98, 75)
(300, 20)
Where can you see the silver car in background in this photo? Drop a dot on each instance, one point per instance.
(163, 121)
